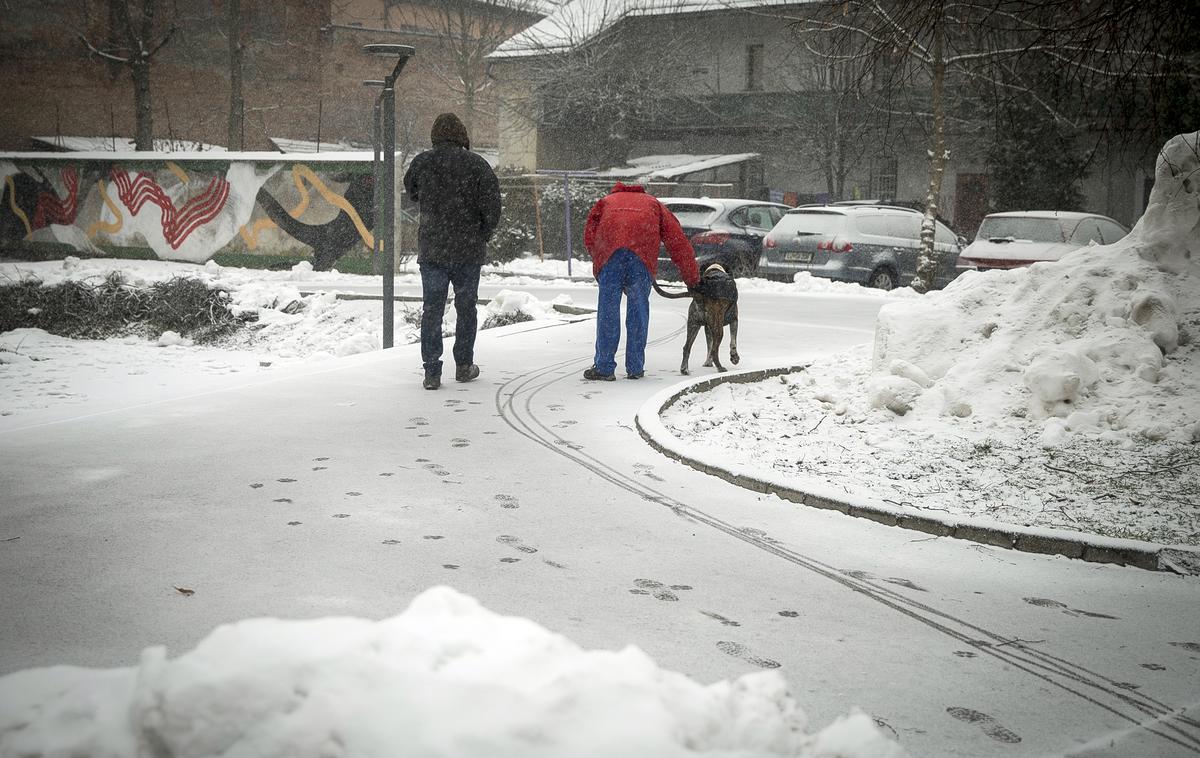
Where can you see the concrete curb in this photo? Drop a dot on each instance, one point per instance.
(1180, 559)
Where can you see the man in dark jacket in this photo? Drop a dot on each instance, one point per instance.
(460, 208)
(623, 232)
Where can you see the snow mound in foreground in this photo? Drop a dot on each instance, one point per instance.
(444, 678)
(1095, 343)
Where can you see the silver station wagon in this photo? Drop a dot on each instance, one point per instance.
(873, 245)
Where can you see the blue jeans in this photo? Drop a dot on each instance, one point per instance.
(623, 274)
(435, 280)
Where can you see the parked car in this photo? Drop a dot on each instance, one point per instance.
(1010, 240)
(722, 230)
(875, 245)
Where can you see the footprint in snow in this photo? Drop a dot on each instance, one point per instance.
(515, 542)
(989, 725)
(738, 650)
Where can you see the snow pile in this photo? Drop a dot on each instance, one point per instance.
(1097, 343)
(170, 338)
(511, 302)
(444, 678)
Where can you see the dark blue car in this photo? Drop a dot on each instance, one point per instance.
(722, 230)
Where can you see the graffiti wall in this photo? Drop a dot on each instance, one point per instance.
(190, 210)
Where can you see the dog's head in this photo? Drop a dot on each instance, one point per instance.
(713, 268)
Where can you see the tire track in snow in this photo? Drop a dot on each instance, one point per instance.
(514, 403)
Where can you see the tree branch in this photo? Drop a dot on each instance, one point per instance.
(101, 53)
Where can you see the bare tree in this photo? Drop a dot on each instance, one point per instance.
(134, 38)
(467, 30)
(1065, 57)
(837, 122)
(236, 133)
(590, 74)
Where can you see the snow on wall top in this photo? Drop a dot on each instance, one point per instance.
(123, 145)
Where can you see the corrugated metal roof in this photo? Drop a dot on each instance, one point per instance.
(578, 21)
(671, 166)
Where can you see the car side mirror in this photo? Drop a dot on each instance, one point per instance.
(962, 241)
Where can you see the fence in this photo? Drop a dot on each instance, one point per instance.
(534, 220)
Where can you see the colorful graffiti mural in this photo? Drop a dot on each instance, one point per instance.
(189, 210)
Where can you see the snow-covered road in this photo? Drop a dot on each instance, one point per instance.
(343, 488)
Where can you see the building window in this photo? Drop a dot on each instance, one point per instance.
(883, 178)
(754, 68)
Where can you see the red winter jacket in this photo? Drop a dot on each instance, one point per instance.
(628, 217)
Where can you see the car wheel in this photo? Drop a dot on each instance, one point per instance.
(882, 279)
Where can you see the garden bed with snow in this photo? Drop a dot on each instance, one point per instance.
(1064, 395)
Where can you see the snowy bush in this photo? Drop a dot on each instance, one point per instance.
(97, 307)
(517, 233)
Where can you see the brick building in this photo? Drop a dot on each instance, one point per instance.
(302, 69)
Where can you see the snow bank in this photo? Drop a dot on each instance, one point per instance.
(292, 322)
(444, 678)
(1096, 343)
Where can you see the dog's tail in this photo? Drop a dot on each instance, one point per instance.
(673, 295)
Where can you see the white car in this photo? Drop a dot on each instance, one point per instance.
(1019, 238)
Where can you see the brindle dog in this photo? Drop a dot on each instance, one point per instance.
(714, 305)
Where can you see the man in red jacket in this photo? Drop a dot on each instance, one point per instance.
(623, 232)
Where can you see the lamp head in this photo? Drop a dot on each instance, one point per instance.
(389, 50)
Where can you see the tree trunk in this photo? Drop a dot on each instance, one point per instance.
(139, 69)
(832, 159)
(236, 132)
(469, 106)
(927, 259)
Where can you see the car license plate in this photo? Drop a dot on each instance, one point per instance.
(798, 256)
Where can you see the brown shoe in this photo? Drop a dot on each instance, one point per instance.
(432, 382)
(466, 373)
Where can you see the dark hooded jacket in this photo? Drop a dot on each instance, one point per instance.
(459, 197)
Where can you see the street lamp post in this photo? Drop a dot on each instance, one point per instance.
(384, 133)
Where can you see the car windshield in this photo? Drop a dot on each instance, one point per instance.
(1018, 228)
(692, 214)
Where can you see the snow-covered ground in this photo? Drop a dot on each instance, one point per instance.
(1030, 397)
(299, 321)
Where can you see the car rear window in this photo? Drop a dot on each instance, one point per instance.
(811, 222)
(1033, 229)
(692, 214)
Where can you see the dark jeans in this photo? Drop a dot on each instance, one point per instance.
(436, 278)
